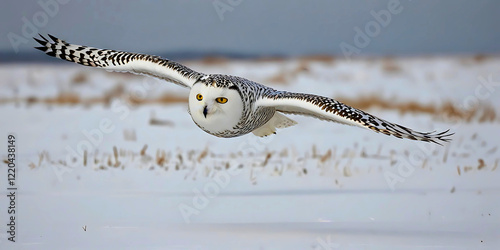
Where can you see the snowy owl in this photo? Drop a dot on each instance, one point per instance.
(230, 106)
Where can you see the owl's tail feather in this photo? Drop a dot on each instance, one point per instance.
(277, 121)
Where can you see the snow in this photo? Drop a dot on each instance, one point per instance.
(316, 185)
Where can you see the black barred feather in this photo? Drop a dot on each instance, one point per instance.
(119, 61)
(332, 110)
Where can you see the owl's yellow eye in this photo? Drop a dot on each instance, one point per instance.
(221, 100)
(199, 97)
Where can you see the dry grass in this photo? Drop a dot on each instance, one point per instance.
(389, 66)
(344, 162)
(161, 158)
(481, 113)
(153, 120)
(476, 59)
(447, 111)
(266, 160)
(211, 60)
(327, 59)
(327, 156)
(72, 98)
(66, 98)
(202, 155)
(143, 150)
(280, 78)
(481, 164)
(286, 75)
(204, 163)
(79, 78)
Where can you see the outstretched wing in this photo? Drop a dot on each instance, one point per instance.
(331, 110)
(120, 61)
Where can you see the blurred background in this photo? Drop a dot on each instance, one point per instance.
(152, 179)
(240, 28)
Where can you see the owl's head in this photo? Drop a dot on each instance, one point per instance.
(215, 108)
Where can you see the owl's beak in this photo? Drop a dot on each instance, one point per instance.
(205, 111)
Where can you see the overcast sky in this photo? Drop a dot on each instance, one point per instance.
(259, 27)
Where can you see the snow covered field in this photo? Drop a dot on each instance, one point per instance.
(114, 161)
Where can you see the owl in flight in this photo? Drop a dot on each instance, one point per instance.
(230, 106)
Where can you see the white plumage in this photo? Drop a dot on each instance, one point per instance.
(229, 106)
